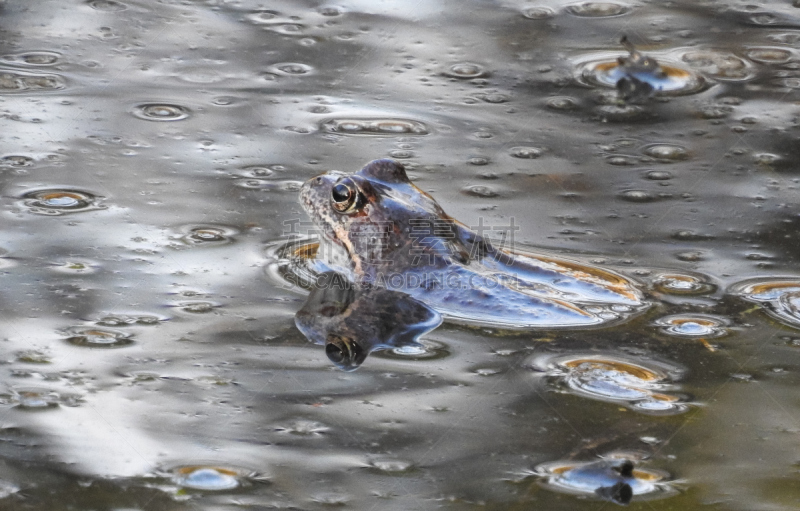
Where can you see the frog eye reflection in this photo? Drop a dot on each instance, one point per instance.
(344, 196)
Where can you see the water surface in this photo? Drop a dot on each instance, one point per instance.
(152, 152)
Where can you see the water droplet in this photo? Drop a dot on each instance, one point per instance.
(562, 103)
(780, 298)
(292, 69)
(527, 152)
(676, 284)
(160, 112)
(465, 70)
(208, 235)
(384, 127)
(59, 202)
(597, 9)
(539, 12)
(766, 55)
(637, 196)
(97, 338)
(666, 153)
(17, 81)
(478, 161)
(207, 478)
(480, 191)
(639, 384)
(693, 325)
(107, 5)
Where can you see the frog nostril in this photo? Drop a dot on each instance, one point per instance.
(318, 180)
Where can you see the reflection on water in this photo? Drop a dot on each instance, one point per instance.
(148, 348)
(353, 322)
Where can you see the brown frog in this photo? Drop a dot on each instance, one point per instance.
(379, 229)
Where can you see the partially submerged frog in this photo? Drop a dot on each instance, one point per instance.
(642, 75)
(380, 230)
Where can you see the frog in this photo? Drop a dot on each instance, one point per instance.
(641, 76)
(379, 229)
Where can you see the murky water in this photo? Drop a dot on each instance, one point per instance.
(152, 153)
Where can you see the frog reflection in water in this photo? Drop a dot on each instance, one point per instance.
(352, 321)
(382, 231)
(641, 75)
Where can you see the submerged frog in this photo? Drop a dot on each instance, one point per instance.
(381, 230)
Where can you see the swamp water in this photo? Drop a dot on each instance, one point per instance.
(151, 155)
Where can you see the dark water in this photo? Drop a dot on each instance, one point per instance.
(152, 152)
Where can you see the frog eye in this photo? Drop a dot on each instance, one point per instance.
(344, 196)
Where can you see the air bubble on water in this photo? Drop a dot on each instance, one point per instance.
(197, 306)
(209, 477)
(391, 466)
(598, 9)
(90, 337)
(303, 428)
(539, 12)
(401, 154)
(55, 201)
(482, 191)
(12, 81)
(160, 112)
(693, 325)
(33, 58)
(666, 153)
(465, 71)
(526, 152)
(421, 350)
(208, 235)
(374, 127)
(768, 55)
(75, 267)
(658, 175)
(641, 196)
(779, 297)
(621, 160)
(719, 65)
(107, 5)
(640, 384)
(562, 103)
(680, 284)
(291, 69)
(15, 160)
